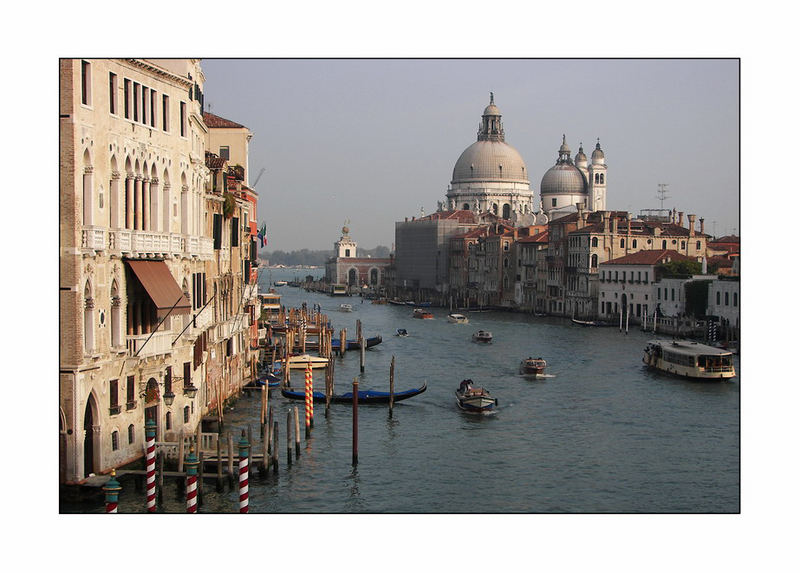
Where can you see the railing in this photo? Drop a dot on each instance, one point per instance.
(94, 238)
(134, 242)
(158, 343)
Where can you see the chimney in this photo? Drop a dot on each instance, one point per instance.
(605, 221)
(613, 225)
(702, 226)
(691, 225)
(581, 216)
(680, 218)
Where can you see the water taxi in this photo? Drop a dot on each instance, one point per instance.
(532, 366)
(689, 359)
(482, 336)
(473, 399)
(346, 307)
(456, 318)
(420, 313)
(280, 283)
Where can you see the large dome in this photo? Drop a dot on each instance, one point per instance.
(490, 161)
(563, 179)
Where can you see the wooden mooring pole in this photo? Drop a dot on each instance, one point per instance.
(289, 424)
(391, 387)
(355, 421)
(275, 447)
(296, 433)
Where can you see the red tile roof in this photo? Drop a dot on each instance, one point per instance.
(649, 258)
(212, 120)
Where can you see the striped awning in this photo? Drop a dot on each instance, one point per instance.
(161, 286)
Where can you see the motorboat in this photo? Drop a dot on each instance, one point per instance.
(421, 313)
(532, 366)
(280, 283)
(456, 318)
(689, 359)
(346, 307)
(482, 336)
(474, 399)
(401, 332)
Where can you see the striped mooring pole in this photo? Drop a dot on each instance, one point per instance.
(244, 446)
(309, 400)
(150, 449)
(112, 489)
(191, 464)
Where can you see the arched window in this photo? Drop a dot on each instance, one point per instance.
(169, 421)
(131, 434)
(506, 211)
(594, 261)
(88, 319)
(466, 207)
(373, 277)
(116, 315)
(594, 241)
(115, 440)
(494, 208)
(352, 277)
(88, 190)
(602, 178)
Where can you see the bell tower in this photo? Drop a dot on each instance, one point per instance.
(597, 179)
(345, 247)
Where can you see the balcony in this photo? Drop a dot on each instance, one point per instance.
(137, 243)
(93, 239)
(158, 344)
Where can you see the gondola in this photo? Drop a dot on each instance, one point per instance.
(364, 396)
(352, 343)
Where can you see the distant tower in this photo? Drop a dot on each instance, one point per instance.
(597, 179)
(345, 247)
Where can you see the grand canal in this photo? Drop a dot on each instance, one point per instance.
(602, 435)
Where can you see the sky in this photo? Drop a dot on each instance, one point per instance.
(372, 141)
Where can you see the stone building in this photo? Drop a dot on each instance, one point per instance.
(137, 260)
(346, 268)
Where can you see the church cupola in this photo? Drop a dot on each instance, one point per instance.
(491, 128)
(345, 247)
(563, 153)
(598, 157)
(580, 158)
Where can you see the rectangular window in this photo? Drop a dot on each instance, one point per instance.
(165, 112)
(726, 299)
(135, 101)
(131, 393)
(115, 440)
(235, 232)
(145, 99)
(113, 393)
(112, 93)
(127, 96)
(736, 299)
(187, 374)
(168, 380)
(183, 119)
(86, 83)
(217, 231)
(645, 277)
(718, 297)
(224, 152)
(673, 294)
(153, 107)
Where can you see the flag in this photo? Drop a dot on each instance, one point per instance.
(262, 234)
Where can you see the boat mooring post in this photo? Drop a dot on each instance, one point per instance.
(269, 430)
(289, 424)
(296, 416)
(219, 462)
(391, 387)
(362, 351)
(264, 448)
(309, 395)
(275, 447)
(191, 464)
(200, 478)
(342, 341)
(230, 459)
(244, 475)
(355, 421)
(111, 490)
(150, 453)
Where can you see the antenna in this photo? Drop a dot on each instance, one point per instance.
(662, 193)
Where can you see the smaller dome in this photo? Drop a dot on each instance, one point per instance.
(491, 109)
(563, 179)
(580, 157)
(345, 230)
(564, 147)
(597, 155)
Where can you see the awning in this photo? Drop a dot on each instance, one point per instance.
(161, 286)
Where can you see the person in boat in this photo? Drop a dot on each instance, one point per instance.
(465, 384)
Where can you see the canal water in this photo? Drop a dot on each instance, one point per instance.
(602, 434)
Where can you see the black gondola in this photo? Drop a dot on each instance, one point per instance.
(364, 396)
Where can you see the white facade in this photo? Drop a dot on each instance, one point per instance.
(626, 291)
(723, 300)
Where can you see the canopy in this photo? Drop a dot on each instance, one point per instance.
(161, 286)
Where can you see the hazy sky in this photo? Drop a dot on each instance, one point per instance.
(375, 140)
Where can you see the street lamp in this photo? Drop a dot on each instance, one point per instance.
(169, 398)
(189, 391)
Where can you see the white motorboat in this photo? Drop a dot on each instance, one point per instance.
(473, 399)
(457, 318)
(532, 366)
(346, 307)
(482, 336)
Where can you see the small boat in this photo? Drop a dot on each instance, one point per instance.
(346, 307)
(591, 322)
(352, 343)
(364, 396)
(280, 283)
(532, 366)
(482, 336)
(301, 360)
(424, 304)
(401, 332)
(689, 359)
(420, 313)
(472, 399)
(396, 302)
(270, 379)
(456, 318)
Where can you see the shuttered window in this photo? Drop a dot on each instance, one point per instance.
(217, 231)
(235, 232)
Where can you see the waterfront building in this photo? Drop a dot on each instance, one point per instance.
(723, 302)
(140, 257)
(346, 268)
(530, 256)
(422, 250)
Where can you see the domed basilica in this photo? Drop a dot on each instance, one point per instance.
(491, 176)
